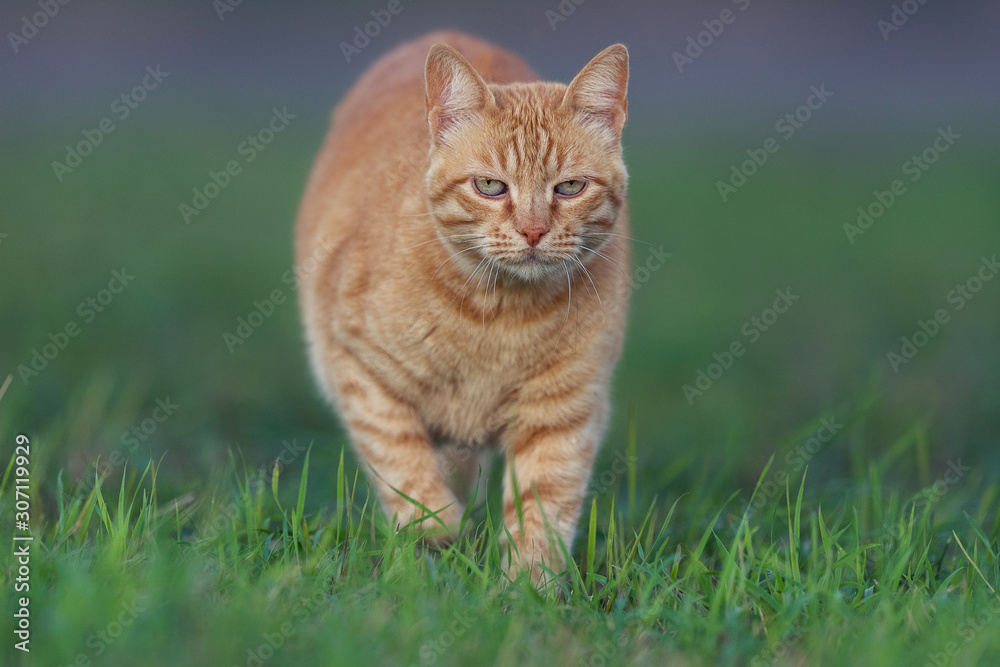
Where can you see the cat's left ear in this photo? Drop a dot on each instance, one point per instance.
(455, 90)
(598, 93)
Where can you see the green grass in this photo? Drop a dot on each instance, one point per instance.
(122, 572)
(729, 538)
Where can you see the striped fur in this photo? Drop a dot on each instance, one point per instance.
(431, 320)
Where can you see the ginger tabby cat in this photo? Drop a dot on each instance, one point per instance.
(469, 229)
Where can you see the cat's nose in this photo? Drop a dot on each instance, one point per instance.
(533, 233)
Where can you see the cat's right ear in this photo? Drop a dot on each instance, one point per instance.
(455, 91)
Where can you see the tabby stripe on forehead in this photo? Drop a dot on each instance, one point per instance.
(561, 156)
(549, 147)
(510, 157)
(519, 147)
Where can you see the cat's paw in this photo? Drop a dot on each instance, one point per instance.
(536, 563)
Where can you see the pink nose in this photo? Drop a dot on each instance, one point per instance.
(533, 234)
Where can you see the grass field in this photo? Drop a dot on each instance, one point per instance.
(812, 506)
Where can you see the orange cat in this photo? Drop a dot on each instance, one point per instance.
(474, 277)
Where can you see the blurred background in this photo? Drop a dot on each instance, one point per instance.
(93, 183)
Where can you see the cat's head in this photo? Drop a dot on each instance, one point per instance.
(527, 177)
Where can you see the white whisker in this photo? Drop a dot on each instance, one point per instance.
(614, 263)
(485, 260)
(485, 295)
(622, 236)
(496, 280)
(569, 298)
(441, 238)
(460, 291)
(615, 245)
(596, 293)
(454, 255)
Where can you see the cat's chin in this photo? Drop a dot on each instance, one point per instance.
(533, 268)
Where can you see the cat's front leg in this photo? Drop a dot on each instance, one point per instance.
(550, 451)
(392, 442)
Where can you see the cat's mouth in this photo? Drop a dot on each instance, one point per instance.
(532, 264)
(532, 256)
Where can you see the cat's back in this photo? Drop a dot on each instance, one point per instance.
(379, 139)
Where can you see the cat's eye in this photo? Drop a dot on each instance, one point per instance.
(490, 187)
(570, 188)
